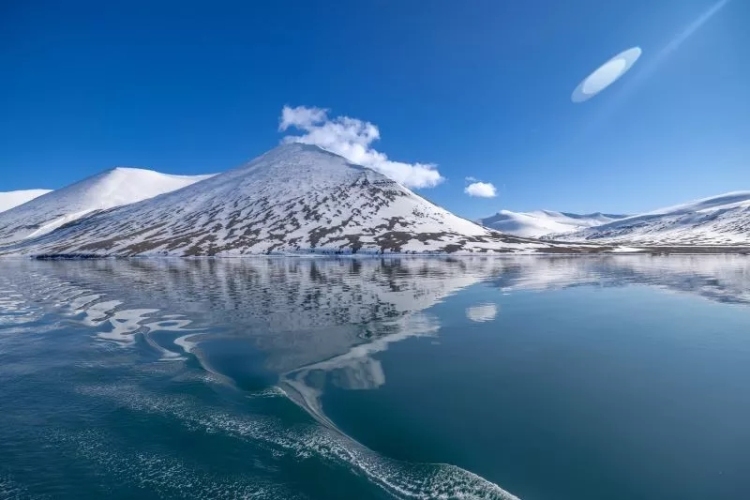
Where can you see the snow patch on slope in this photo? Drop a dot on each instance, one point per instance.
(109, 189)
(12, 199)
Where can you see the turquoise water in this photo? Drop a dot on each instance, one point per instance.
(536, 378)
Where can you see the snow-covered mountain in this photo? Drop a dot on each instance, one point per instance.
(294, 199)
(11, 199)
(112, 188)
(544, 222)
(719, 220)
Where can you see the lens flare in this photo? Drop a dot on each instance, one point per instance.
(607, 74)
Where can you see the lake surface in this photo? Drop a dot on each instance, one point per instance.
(621, 377)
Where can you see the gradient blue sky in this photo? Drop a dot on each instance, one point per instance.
(481, 88)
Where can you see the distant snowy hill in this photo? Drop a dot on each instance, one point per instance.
(12, 199)
(294, 199)
(113, 188)
(719, 220)
(544, 222)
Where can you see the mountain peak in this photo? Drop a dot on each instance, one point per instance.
(294, 154)
(125, 170)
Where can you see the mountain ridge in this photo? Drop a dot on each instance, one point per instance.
(714, 221)
(302, 199)
(295, 198)
(541, 223)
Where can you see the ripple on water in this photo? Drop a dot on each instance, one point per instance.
(110, 320)
(115, 323)
(10, 489)
(402, 479)
(164, 475)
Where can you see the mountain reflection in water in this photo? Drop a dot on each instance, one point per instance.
(284, 328)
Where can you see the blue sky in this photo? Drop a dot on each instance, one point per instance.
(480, 88)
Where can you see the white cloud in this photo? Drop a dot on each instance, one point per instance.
(481, 190)
(352, 139)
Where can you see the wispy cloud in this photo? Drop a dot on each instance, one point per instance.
(480, 189)
(352, 138)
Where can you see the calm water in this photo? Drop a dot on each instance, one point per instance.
(537, 378)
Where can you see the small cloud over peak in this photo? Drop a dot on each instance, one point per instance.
(301, 116)
(480, 189)
(352, 138)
